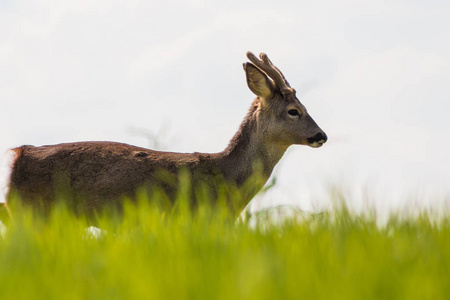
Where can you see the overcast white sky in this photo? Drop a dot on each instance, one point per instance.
(373, 74)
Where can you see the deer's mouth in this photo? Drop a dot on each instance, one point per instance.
(317, 140)
(316, 144)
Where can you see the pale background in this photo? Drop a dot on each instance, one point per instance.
(373, 74)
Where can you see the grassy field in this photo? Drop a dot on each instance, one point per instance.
(150, 253)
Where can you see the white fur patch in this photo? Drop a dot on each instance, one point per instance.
(316, 144)
(5, 173)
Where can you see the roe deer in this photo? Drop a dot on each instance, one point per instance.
(99, 174)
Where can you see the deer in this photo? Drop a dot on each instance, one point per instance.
(100, 174)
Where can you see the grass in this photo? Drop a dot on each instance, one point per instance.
(151, 253)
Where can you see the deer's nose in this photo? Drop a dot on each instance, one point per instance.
(318, 137)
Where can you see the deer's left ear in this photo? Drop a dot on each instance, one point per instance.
(258, 82)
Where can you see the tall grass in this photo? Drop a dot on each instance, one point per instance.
(149, 252)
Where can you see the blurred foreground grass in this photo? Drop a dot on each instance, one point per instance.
(151, 253)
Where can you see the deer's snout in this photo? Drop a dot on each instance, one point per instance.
(317, 140)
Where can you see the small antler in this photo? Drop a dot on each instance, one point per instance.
(273, 72)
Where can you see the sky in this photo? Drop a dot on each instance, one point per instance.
(373, 74)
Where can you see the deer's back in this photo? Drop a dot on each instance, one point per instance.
(96, 172)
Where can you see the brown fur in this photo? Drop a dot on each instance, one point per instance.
(95, 174)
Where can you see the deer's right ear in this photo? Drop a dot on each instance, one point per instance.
(258, 82)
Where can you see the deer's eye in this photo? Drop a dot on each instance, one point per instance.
(293, 112)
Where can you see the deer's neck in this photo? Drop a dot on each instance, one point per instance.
(249, 155)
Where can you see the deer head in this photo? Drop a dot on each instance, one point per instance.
(282, 120)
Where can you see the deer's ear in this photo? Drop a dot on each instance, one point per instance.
(258, 82)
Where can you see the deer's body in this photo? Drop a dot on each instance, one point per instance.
(102, 173)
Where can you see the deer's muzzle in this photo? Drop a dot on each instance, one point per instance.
(317, 140)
